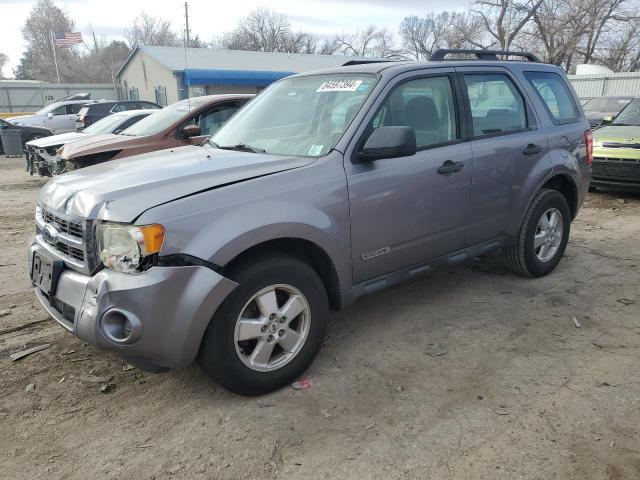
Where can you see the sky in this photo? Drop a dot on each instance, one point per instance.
(210, 18)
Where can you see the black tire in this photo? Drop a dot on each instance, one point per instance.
(218, 356)
(521, 257)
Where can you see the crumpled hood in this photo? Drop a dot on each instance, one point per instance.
(120, 190)
(61, 139)
(89, 143)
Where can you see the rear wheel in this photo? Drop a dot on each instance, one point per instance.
(543, 236)
(269, 330)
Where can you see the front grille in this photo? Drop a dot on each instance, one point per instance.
(73, 228)
(616, 169)
(70, 251)
(75, 240)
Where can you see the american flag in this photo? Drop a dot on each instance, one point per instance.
(63, 39)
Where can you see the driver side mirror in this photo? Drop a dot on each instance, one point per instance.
(50, 115)
(607, 119)
(389, 142)
(191, 131)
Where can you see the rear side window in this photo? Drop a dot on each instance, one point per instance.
(124, 106)
(149, 105)
(130, 121)
(426, 105)
(555, 94)
(497, 107)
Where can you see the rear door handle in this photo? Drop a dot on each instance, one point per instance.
(532, 149)
(449, 167)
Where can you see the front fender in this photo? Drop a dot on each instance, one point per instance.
(309, 203)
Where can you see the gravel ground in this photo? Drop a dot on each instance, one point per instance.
(468, 373)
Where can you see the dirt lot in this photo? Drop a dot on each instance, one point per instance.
(521, 392)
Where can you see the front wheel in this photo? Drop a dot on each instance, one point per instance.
(269, 329)
(543, 236)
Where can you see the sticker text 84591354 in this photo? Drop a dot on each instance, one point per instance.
(339, 86)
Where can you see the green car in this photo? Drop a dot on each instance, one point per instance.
(616, 150)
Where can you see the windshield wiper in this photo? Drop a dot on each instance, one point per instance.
(242, 147)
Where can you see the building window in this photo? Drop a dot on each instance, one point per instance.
(133, 94)
(161, 96)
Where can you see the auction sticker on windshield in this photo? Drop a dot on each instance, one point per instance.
(339, 86)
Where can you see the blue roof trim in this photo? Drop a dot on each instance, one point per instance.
(258, 78)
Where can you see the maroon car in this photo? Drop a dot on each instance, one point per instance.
(185, 122)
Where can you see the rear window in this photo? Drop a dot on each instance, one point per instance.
(124, 106)
(496, 104)
(555, 94)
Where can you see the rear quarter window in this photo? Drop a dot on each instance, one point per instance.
(556, 96)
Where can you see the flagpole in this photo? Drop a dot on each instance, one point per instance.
(55, 60)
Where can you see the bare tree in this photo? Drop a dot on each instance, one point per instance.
(600, 15)
(422, 36)
(263, 30)
(567, 32)
(370, 42)
(3, 61)
(327, 47)
(37, 60)
(557, 30)
(150, 30)
(504, 19)
(620, 49)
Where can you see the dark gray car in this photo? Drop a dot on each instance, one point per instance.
(327, 186)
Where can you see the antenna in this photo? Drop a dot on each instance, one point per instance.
(186, 18)
(186, 45)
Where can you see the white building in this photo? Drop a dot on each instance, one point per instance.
(163, 74)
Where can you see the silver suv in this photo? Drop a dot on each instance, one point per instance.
(59, 116)
(327, 186)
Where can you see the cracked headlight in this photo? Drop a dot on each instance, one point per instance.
(123, 247)
(39, 214)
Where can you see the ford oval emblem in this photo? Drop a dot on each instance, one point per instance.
(50, 234)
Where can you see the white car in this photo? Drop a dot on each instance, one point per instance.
(42, 154)
(59, 116)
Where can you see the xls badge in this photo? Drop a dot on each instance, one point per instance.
(375, 253)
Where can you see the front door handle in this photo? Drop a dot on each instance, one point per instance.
(532, 149)
(449, 167)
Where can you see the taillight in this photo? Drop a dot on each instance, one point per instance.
(588, 142)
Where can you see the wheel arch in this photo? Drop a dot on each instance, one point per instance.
(567, 187)
(302, 249)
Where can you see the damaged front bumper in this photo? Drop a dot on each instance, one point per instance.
(44, 161)
(155, 319)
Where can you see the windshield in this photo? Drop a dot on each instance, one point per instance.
(47, 109)
(604, 104)
(106, 124)
(158, 121)
(302, 116)
(630, 116)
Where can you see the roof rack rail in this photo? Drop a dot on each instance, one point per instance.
(440, 55)
(364, 62)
